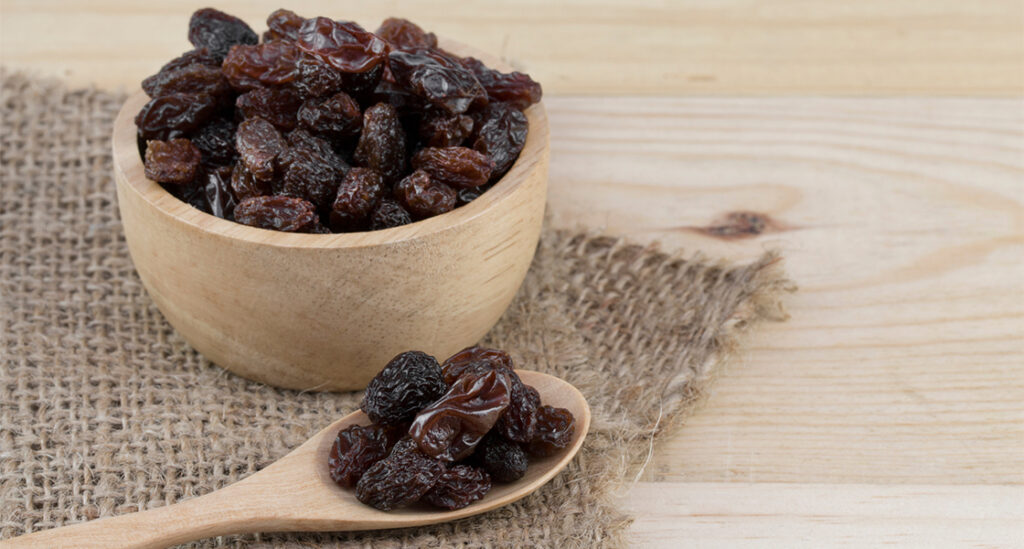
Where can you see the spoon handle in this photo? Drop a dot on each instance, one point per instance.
(225, 511)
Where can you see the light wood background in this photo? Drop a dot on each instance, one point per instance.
(890, 408)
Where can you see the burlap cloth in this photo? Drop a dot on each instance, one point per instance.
(104, 409)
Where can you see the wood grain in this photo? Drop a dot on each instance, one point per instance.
(693, 47)
(902, 221)
(740, 515)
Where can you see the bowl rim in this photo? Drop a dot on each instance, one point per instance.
(129, 169)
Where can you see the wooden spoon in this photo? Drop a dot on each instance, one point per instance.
(296, 494)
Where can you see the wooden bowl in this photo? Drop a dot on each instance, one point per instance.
(327, 312)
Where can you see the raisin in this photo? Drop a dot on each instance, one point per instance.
(269, 64)
(402, 100)
(317, 78)
(193, 194)
(440, 128)
(389, 213)
(458, 167)
(382, 142)
(452, 426)
(555, 427)
(244, 185)
(358, 195)
(402, 33)
(194, 78)
(279, 213)
(216, 140)
(437, 77)
(500, 134)
(519, 422)
(310, 176)
(335, 117)
(400, 479)
(173, 162)
(503, 459)
(423, 196)
(174, 115)
(470, 357)
(198, 56)
(259, 143)
(217, 186)
(409, 382)
(343, 44)
(275, 105)
(355, 449)
(466, 196)
(301, 139)
(218, 31)
(515, 88)
(458, 487)
(283, 24)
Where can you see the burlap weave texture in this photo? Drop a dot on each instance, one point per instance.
(104, 409)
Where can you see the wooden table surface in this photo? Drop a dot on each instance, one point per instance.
(881, 141)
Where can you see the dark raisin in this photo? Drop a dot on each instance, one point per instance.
(175, 115)
(216, 140)
(275, 105)
(301, 139)
(355, 449)
(471, 357)
(400, 479)
(259, 143)
(458, 487)
(279, 213)
(503, 459)
(198, 56)
(317, 78)
(404, 101)
(514, 88)
(440, 128)
(424, 197)
(437, 77)
(409, 382)
(555, 427)
(500, 134)
(343, 44)
(194, 78)
(217, 186)
(311, 177)
(519, 422)
(458, 167)
(389, 213)
(283, 24)
(466, 196)
(173, 162)
(402, 33)
(269, 64)
(358, 195)
(244, 185)
(335, 117)
(218, 31)
(193, 194)
(382, 142)
(452, 426)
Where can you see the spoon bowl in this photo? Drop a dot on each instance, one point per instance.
(296, 494)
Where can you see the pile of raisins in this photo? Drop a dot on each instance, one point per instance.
(442, 433)
(323, 126)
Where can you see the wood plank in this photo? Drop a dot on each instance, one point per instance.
(738, 515)
(902, 220)
(693, 47)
